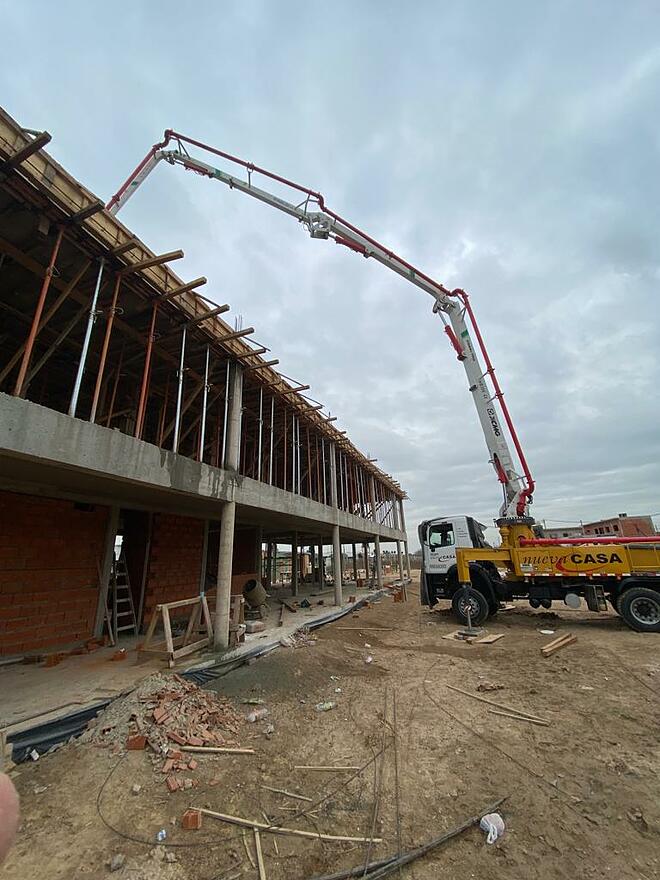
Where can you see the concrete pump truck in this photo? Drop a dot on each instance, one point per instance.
(458, 564)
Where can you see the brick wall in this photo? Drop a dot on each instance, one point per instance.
(48, 571)
(243, 560)
(175, 561)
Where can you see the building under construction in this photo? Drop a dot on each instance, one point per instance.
(131, 411)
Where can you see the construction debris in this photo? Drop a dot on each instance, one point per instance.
(168, 714)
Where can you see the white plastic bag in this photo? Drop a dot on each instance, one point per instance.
(493, 824)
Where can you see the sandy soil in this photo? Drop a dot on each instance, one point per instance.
(582, 792)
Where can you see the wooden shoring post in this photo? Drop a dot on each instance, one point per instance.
(163, 411)
(192, 397)
(14, 359)
(113, 396)
(29, 345)
(59, 339)
(139, 422)
(104, 349)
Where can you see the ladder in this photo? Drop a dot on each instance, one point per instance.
(123, 610)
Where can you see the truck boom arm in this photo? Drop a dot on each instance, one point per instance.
(452, 306)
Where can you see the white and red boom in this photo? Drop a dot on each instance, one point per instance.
(451, 305)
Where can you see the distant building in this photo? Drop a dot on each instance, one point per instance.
(622, 525)
(563, 532)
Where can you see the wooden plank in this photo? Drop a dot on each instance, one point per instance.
(291, 794)
(260, 855)
(279, 829)
(288, 605)
(493, 703)
(549, 651)
(488, 640)
(207, 618)
(181, 603)
(556, 640)
(218, 750)
(519, 717)
(167, 629)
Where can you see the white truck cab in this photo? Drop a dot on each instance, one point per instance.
(439, 539)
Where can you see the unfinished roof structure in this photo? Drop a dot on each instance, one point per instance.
(129, 406)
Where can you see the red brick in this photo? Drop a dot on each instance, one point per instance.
(172, 783)
(136, 743)
(191, 820)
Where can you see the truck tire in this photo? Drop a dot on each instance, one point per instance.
(478, 606)
(640, 608)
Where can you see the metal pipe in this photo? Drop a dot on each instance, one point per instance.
(27, 354)
(224, 425)
(139, 422)
(88, 335)
(270, 460)
(588, 539)
(261, 426)
(179, 394)
(104, 350)
(202, 430)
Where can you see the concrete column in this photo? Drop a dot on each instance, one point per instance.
(106, 568)
(355, 568)
(294, 565)
(399, 559)
(275, 572)
(223, 585)
(379, 567)
(312, 560)
(228, 516)
(365, 551)
(336, 565)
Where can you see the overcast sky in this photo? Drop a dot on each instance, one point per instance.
(512, 149)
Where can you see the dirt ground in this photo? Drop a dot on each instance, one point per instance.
(582, 798)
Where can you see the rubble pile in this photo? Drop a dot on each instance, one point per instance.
(165, 713)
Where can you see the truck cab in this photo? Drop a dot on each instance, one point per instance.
(439, 539)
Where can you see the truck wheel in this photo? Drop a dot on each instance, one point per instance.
(640, 608)
(479, 609)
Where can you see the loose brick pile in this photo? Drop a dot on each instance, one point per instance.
(164, 713)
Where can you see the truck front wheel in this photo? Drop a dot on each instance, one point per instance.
(640, 608)
(479, 609)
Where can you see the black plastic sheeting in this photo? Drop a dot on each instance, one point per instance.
(211, 673)
(43, 737)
